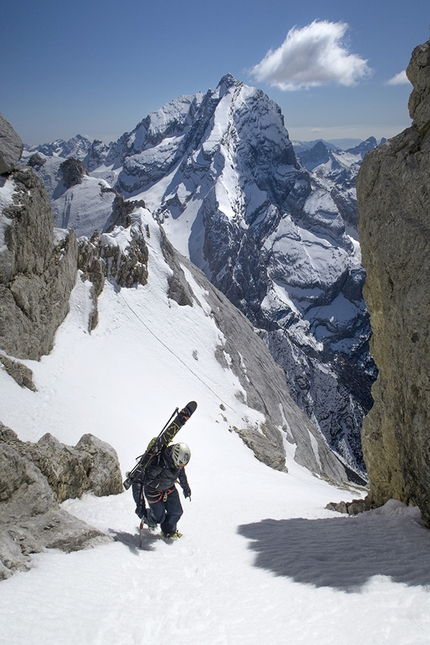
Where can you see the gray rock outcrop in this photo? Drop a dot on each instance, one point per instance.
(37, 273)
(34, 479)
(36, 161)
(73, 172)
(102, 256)
(19, 372)
(11, 146)
(394, 206)
(351, 508)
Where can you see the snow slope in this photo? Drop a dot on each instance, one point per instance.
(261, 560)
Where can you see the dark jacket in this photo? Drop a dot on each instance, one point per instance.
(161, 473)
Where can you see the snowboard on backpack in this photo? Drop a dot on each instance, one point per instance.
(170, 430)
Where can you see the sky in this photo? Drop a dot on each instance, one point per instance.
(98, 67)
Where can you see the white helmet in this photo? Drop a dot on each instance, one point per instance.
(181, 454)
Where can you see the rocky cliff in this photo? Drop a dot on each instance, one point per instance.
(393, 192)
(37, 271)
(11, 146)
(34, 479)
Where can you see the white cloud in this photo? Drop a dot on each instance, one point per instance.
(399, 79)
(311, 56)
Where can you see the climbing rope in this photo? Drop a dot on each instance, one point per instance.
(173, 353)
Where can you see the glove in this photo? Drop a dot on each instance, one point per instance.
(140, 511)
(187, 492)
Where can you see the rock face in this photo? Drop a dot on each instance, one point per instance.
(11, 146)
(19, 372)
(34, 479)
(73, 172)
(36, 273)
(394, 205)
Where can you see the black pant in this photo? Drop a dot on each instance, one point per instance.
(166, 513)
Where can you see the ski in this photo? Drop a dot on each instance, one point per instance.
(170, 430)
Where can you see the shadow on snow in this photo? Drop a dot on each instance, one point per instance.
(343, 552)
(134, 541)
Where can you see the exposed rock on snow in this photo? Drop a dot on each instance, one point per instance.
(34, 479)
(393, 199)
(351, 508)
(73, 171)
(179, 289)
(121, 211)
(36, 161)
(19, 372)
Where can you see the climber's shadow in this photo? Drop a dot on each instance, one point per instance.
(136, 542)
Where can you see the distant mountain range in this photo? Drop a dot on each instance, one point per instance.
(332, 144)
(273, 225)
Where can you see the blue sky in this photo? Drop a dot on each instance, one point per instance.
(97, 67)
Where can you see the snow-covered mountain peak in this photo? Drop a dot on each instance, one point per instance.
(77, 147)
(168, 121)
(219, 172)
(226, 83)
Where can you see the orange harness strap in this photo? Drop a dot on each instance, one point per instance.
(162, 495)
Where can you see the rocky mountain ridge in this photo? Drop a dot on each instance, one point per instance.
(219, 172)
(120, 255)
(339, 168)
